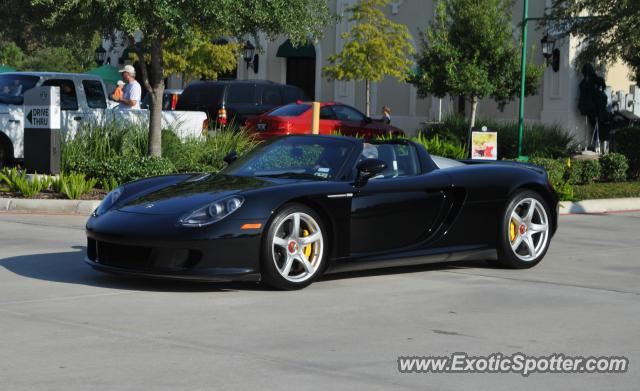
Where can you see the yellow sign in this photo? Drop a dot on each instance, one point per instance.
(484, 145)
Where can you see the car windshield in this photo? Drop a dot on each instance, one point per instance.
(12, 87)
(294, 157)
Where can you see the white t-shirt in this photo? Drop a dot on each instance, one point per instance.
(132, 91)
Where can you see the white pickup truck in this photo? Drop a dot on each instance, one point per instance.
(83, 99)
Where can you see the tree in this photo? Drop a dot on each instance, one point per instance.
(469, 50)
(374, 47)
(161, 21)
(608, 29)
(200, 58)
(66, 58)
(11, 55)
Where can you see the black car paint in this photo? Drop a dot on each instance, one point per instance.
(435, 216)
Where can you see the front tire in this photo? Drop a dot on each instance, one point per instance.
(294, 248)
(524, 232)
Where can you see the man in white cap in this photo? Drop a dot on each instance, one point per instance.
(132, 94)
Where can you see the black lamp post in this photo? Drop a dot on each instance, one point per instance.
(100, 55)
(548, 46)
(250, 57)
(248, 52)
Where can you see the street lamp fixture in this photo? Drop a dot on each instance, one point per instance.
(548, 46)
(100, 55)
(249, 56)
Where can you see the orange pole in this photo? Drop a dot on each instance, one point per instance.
(315, 122)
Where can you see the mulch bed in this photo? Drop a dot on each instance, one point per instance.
(95, 194)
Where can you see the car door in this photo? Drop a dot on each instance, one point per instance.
(351, 122)
(328, 121)
(72, 113)
(400, 208)
(270, 97)
(241, 102)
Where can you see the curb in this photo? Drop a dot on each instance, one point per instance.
(600, 206)
(48, 206)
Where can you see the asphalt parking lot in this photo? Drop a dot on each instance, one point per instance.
(65, 326)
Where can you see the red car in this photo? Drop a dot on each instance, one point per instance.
(295, 118)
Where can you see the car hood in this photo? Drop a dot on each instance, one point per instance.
(191, 194)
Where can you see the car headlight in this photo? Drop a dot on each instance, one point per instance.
(213, 212)
(108, 201)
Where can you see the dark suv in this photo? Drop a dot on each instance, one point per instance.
(233, 101)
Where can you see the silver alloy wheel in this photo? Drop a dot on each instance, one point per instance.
(297, 247)
(528, 229)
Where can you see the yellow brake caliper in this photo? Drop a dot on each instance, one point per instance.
(512, 230)
(306, 249)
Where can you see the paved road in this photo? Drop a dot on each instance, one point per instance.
(66, 327)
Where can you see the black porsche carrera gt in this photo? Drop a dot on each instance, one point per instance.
(300, 206)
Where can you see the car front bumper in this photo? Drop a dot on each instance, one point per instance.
(203, 275)
(154, 246)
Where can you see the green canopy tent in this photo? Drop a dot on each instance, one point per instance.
(4, 69)
(108, 73)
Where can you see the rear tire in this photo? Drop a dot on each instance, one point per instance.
(525, 231)
(6, 151)
(294, 248)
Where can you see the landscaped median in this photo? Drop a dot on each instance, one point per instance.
(85, 207)
(100, 158)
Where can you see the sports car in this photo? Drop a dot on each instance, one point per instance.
(297, 207)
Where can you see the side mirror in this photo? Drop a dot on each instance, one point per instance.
(368, 120)
(231, 157)
(369, 168)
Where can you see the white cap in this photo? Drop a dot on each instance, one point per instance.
(129, 69)
(120, 83)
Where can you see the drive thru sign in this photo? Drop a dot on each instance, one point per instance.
(42, 130)
(42, 108)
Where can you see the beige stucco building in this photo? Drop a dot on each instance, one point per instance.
(555, 103)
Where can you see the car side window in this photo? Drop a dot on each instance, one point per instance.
(327, 113)
(346, 113)
(95, 94)
(271, 96)
(292, 94)
(68, 95)
(241, 93)
(402, 159)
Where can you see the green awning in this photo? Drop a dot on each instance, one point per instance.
(4, 69)
(303, 51)
(108, 73)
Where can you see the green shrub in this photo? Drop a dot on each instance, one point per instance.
(442, 147)
(101, 142)
(627, 142)
(171, 144)
(614, 167)
(558, 173)
(19, 182)
(115, 154)
(205, 155)
(538, 140)
(57, 183)
(108, 183)
(555, 168)
(128, 168)
(75, 185)
(585, 171)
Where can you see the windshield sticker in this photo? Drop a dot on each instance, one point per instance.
(322, 172)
